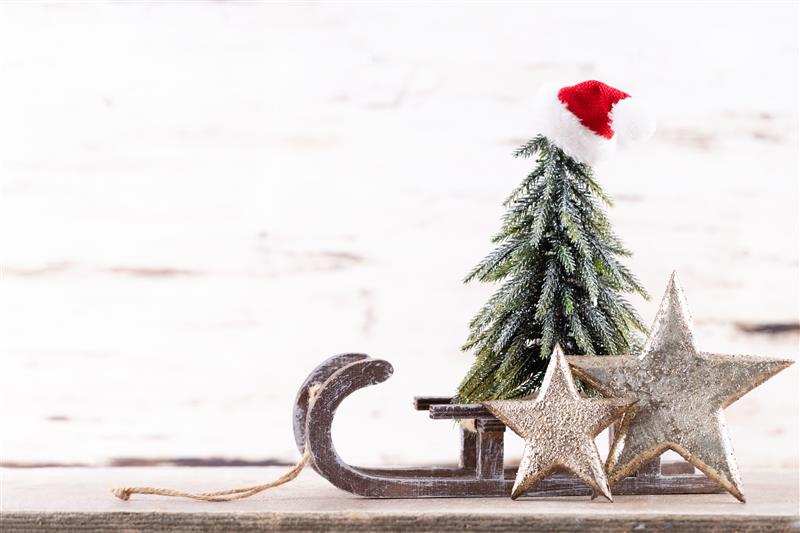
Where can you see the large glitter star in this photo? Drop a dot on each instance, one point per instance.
(681, 394)
(559, 427)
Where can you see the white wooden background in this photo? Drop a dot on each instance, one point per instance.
(202, 201)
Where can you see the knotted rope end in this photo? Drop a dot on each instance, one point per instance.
(123, 493)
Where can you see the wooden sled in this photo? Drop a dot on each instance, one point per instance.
(481, 470)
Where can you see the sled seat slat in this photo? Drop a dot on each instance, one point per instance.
(423, 403)
(460, 410)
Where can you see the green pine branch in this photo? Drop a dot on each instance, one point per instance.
(562, 281)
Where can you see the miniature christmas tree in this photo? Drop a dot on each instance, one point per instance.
(557, 256)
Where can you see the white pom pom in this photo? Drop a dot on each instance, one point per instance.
(632, 121)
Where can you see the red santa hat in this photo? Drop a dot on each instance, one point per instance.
(585, 120)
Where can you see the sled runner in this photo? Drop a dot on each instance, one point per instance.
(481, 471)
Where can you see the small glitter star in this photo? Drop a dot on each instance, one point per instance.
(559, 427)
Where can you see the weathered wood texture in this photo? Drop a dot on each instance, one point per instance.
(460, 410)
(481, 469)
(228, 522)
(314, 380)
(489, 449)
(469, 446)
(424, 403)
(191, 218)
(78, 499)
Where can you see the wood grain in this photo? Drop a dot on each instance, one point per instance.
(234, 522)
(78, 499)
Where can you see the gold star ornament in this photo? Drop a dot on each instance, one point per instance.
(681, 394)
(559, 427)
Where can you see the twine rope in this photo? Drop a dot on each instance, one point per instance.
(124, 493)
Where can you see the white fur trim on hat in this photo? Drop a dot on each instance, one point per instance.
(557, 123)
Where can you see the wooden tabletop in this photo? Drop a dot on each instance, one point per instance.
(79, 498)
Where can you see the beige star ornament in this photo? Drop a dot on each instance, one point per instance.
(559, 427)
(681, 394)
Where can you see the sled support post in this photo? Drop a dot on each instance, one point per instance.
(469, 450)
(490, 449)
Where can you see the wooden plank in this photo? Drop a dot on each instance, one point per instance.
(78, 499)
(460, 410)
(421, 472)
(423, 403)
(226, 522)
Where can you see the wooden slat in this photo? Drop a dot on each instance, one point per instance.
(460, 410)
(423, 403)
(421, 472)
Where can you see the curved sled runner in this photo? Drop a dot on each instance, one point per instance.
(480, 472)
